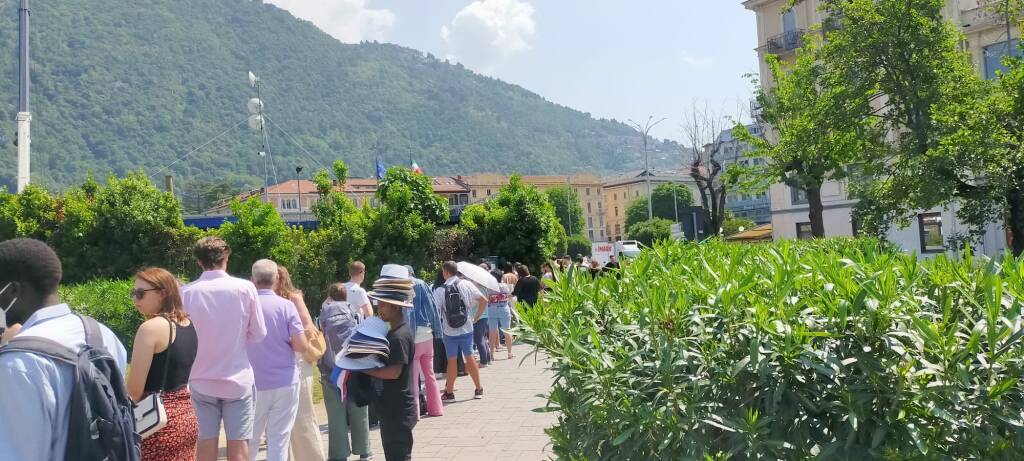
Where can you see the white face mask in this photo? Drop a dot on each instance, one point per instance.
(3, 313)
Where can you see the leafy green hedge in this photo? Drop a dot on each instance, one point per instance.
(107, 301)
(836, 349)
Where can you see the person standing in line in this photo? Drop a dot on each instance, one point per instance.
(338, 320)
(226, 313)
(509, 274)
(528, 289)
(274, 367)
(499, 318)
(165, 348)
(357, 298)
(356, 293)
(457, 301)
(481, 330)
(546, 272)
(440, 355)
(427, 322)
(397, 408)
(305, 442)
(36, 390)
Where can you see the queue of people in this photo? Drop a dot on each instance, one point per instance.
(224, 355)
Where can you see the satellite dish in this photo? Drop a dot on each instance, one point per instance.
(256, 122)
(254, 105)
(252, 79)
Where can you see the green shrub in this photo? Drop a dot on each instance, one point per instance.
(650, 231)
(109, 302)
(578, 245)
(838, 349)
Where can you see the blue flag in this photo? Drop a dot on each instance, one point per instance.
(381, 171)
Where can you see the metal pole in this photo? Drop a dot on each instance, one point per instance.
(24, 117)
(647, 171)
(675, 203)
(568, 202)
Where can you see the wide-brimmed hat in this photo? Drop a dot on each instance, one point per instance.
(394, 286)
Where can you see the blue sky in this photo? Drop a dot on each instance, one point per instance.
(612, 58)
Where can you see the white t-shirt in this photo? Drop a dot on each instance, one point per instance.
(356, 297)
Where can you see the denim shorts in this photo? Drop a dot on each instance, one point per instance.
(499, 318)
(455, 344)
(237, 414)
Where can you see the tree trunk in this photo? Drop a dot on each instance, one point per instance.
(1015, 221)
(815, 211)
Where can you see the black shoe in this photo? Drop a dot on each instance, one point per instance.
(478, 394)
(448, 397)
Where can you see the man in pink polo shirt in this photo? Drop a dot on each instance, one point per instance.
(227, 317)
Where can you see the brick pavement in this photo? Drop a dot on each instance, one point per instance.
(501, 426)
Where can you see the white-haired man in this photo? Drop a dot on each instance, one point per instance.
(274, 366)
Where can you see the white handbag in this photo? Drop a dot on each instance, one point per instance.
(150, 414)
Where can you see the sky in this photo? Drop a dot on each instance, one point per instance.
(621, 59)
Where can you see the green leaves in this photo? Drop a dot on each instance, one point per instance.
(836, 349)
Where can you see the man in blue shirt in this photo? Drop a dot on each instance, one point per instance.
(34, 413)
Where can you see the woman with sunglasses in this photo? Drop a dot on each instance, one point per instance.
(165, 347)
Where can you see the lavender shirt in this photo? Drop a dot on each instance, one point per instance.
(272, 359)
(226, 313)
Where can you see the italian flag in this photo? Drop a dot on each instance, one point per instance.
(416, 168)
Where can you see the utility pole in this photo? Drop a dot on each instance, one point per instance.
(645, 131)
(298, 188)
(24, 117)
(568, 201)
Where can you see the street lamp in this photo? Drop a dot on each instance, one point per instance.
(298, 187)
(645, 131)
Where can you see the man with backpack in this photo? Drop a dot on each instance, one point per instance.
(458, 295)
(61, 373)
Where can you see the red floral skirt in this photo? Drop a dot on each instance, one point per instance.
(177, 440)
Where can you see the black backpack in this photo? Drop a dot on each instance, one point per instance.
(454, 308)
(101, 422)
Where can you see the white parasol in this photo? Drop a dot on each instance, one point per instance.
(478, 275)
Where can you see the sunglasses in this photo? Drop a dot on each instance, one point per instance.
(139, 293)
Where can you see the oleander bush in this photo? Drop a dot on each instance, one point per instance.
(107, 301)
(836, 349)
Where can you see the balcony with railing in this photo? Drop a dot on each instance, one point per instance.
(986, 15)
(785, 42)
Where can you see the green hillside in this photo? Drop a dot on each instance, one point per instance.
(122, 85)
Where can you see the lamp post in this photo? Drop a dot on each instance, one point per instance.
(298, 188)
(645, 131)
(24, 117)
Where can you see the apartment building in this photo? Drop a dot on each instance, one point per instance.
(780, 31)
(620, 191)
(755, 206)
(588, 188)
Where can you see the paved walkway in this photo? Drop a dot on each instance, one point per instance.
(501, 426)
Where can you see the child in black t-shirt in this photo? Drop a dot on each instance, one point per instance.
(396, 407)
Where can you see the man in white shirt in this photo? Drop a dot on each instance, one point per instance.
(458, 339)
(35, 390)
(356, 294)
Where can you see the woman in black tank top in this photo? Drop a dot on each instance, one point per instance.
(162, 357)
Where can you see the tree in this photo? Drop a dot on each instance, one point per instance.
(668, 200)
(906, 56)
(984, 139)
(702, 127)
(402, 228)
(567, 203)
(578, 245)
(815, 127)
(258, 232)
(518, 224)
(650, 231)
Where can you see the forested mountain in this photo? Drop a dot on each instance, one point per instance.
(124, 85)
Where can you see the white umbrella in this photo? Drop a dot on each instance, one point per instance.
(478, 275)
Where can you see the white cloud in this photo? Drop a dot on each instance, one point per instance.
(486, 32)
(350, 21)
(697, 62)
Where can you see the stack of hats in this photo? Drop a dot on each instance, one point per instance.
(367, 349)
(393, 287)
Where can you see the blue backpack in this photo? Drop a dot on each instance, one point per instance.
(101, 425)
